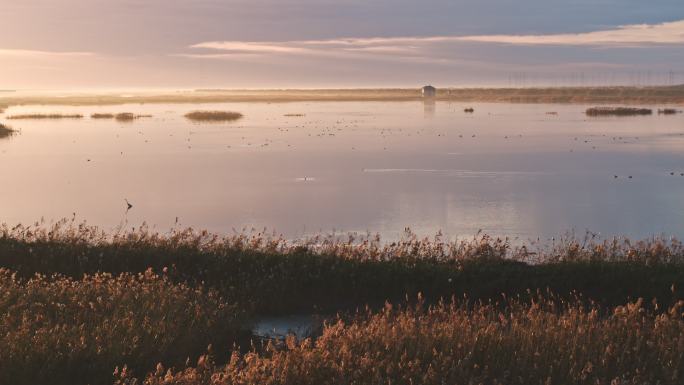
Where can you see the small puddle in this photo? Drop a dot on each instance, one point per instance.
(301, 326)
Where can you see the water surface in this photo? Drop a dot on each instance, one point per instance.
(511, 170)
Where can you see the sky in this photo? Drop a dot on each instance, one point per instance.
(130, 44)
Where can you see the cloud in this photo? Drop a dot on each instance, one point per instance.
(251, 47)
(332, 47)
(628, 35)
(26, 53)
(637, 34)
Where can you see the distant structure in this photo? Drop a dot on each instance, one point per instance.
(429, 92)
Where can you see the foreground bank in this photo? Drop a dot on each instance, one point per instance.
(568, 312)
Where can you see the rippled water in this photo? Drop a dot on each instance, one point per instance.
(512, 170)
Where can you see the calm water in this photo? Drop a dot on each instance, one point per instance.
(511, 170)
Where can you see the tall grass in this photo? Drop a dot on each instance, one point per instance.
(545, 342)
(46, 116)
(106, 308)
(276, 276)
(213, 116)
(57, 330)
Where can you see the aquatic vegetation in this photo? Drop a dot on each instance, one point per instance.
(120, 117)
(46, 116)
(106, 308)
(129, 117)
(294, 115)
(272, 275)
(125, 117)
(618, 111)
(213, 116)
(547, 341)
(102, 116)
(60, 330)
(668, 111)
(5, 131)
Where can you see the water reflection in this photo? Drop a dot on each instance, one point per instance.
(429, 106)
(507, 170)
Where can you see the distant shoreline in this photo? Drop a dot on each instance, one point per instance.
(559, 95)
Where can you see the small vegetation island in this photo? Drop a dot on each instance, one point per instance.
(83, 306)
(102, 116)
(5, 131)
(213, 116)
(45, 116)
(669, 111)
(120, 117)
(618, 111)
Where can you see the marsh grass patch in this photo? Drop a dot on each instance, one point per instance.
(102, 116)
(129, 117)
(45, 116)
(618, 111)
(61, 330)
(6, 131)
(79, 300)
(547, 341)
(213, 116)
(120, 117)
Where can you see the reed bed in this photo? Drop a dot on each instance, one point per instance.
(58, 330)
(5, 131)
(213, 116)
(102, 116)
(46, 116)
(129, 117)
(544, 342)
(618, 111)
(271, 275)
(77, 302)
(668, 111)
(120, 117)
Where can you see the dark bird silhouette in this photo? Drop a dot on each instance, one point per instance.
(128, 204)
